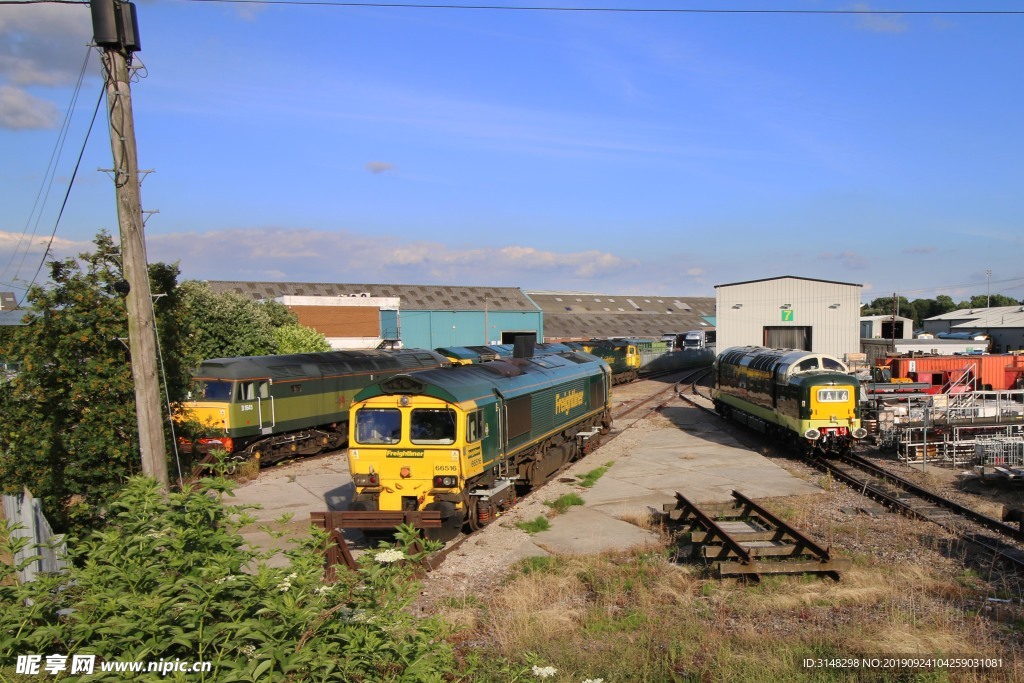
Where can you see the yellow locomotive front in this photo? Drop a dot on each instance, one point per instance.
(407, 455)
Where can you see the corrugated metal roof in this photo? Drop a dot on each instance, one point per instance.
(413, 297)
(586, 315)
(788, 277)
(974, 313)
(566, 314)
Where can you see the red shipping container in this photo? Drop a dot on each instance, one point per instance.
(996, 372)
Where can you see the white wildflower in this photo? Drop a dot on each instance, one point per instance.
(248, 650)
(594, 680)
(544, 671)
(323, 590)
(284, 586)
(229, 577)
(389, 555)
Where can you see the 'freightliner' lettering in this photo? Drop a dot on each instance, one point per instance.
(405, 453)
(564, 403)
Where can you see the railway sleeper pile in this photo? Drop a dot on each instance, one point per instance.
(741, 538)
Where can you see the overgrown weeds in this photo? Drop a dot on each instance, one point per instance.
(591, 477)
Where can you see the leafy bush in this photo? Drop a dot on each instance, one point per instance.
(170, 578)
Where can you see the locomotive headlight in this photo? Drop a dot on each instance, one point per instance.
(446, 482)
(812, 434)
(860, 433)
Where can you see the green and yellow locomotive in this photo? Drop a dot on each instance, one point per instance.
(622, 356)
(807, 398)
(274, 407)
(460, 439)
(467, 355)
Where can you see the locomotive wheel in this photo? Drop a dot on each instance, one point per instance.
(472, 516)
(451, 521)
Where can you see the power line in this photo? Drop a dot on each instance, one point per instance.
(623, 10)
(48, 178)
(67, 194)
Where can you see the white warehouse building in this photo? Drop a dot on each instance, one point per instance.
(790, 313)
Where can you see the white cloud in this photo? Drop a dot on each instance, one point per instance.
(20, 110)
(43, 44)
(879, 23)
(377, 167)
(311, 255)
(40, 46)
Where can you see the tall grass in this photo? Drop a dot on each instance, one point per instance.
(636, 616)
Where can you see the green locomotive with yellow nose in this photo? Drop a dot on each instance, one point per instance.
(461, 440)
(808, 399)
(269, 408)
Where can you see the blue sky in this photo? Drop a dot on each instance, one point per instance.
(611, 152)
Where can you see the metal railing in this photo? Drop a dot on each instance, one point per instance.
(45, 549)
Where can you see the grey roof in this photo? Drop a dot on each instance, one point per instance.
(1006, 317)
(413, 297)
(587, 315)
(8, 318)
(789, 277)
(997, 316)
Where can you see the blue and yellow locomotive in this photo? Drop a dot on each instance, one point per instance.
(807, 398)
(460, 439)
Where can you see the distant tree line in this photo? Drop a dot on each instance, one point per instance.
(69, 430)
(920, 309)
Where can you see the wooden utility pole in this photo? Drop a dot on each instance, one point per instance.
(115, 30)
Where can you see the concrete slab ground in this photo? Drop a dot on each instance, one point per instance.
(682, 450)
(297, 489)
(685, 451)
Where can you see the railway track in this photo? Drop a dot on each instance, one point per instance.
(907, 498)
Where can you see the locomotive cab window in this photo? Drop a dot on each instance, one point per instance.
(833, 364)
(432, 426)
(378, 425)
(806, 365)
(474, 426)
(250, 391)
(215, 390)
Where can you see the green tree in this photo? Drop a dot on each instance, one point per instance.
(986, 301)
(69, 432)
(943, 304)
(299, 339)
(226, 325)
(279, 314)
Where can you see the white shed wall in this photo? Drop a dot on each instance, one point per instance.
(830, 309)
